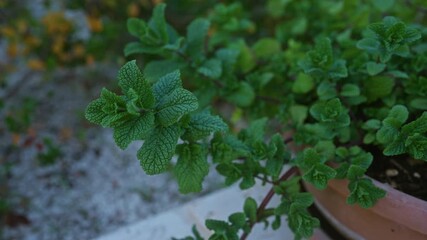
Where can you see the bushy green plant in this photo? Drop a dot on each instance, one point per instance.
(350, 92)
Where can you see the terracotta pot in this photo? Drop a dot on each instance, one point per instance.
(397, 216)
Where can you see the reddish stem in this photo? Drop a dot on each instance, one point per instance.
(267, 199)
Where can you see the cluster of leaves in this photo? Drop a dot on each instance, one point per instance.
(357, 88)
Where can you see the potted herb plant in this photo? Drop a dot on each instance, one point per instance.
(335, 90)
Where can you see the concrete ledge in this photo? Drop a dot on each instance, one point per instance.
(218, 205)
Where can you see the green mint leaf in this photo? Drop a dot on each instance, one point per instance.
(374, 68)
(167, 84)
(94, 112)
(419, 103)
(130, 77)
(364, 193)
(157, 69)
(326, 90)
(319, 175)
(211, 68)
(417, 126)
(136, 27)
(303, 199)
(158, 149)
(174, 105)
(331, 112)
(389, 130)
(417, 146)
(191, 168)
(400, 113)
(197, 32)
(378, 87)
(250, 209)
(202, 125)
(303, 84)
(158, 22)
(300, 222)
(298, 113)
(243, 95)
(133, 128)
(383, 5)
(350, 90)
(238, 219)
(255, 131)
(222, 230)
(266, 47)
(396, 147)
(138, 48)
(277, 155)
(370, 45)
(411, 35)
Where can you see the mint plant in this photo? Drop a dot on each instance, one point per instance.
(349, 94)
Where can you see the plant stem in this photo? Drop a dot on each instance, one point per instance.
(267, 199)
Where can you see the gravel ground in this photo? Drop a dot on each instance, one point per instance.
(93, 187)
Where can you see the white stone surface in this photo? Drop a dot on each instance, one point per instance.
(179, 221)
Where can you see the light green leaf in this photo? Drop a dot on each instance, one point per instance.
(298, 113)
(203, 124)
(319, 175)
(400, 113)
(396, 147)
(419, 103)
(196, 34)
(174, 105)
(156, 69)
(130, 77)
(378, 87)
(364, 193)
(374, 68)
(134, 128)
(417, 146)
(250, 209)
(238, 219)
(191, 168)
(389, 130)
(350, 90)
(211, 68)
(417, 126)
(167, 84)
(136, 27)
(369, 44)
(243, 95)
(94, 111)
(138, 47)
(300, 222)
(158, 22)
(266, 47)
(303, 84)
(158, 149)
(383, 5)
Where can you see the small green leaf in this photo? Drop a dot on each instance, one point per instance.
(191, 168)
(202, 125)
(94, 111)
(211, 68)
(298, 113)
(237, 219)
(134, 128)
(243, 95)
(197, 31)
(417, 126)
(174, 105)
(157, 69)
(250, 209)
(419, 103)
(389, 130)
(130, 77)
(350, 90)
(319, 175)
(417, 146)
(138, 48)
(378, 87)
(266, 47)
(374, 68)
(396, 147)
(136, 27)
(158, 149)
(400, 113)
(303, 84)
(383, 5)
(301, 223)
(158, 22)
(167, 84)
(369, 44)
(364, 193)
